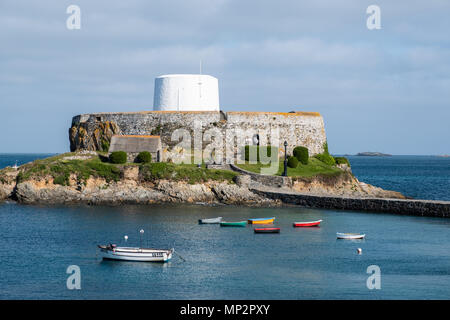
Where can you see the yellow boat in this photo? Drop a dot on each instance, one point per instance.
(261, 220)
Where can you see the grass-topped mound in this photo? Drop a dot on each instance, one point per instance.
(62, 167)
(314, 167)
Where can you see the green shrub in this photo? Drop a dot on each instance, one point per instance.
(325, 148)
(144, 157)
(325, 158)
(118, 157)
(105, 145)
(292, 162)
(302, 154)
(62, 180)
(342, 160)
(251, 150)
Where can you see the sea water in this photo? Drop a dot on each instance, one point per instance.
(39, 243)
(419, 177)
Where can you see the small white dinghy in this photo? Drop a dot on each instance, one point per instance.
(210, 221)
(112, 252)
(350, 235)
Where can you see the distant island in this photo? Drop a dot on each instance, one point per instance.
(373, 154)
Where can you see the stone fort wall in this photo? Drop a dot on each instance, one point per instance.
(228, 131)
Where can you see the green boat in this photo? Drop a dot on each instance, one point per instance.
(233, 224)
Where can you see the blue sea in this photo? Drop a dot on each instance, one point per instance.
(419, 177)
(39, 243)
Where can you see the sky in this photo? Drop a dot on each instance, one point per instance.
(385, 90)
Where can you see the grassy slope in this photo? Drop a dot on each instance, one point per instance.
(183, 172)
(313, 168)
(61, 169)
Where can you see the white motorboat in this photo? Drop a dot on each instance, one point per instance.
(112, 252)
(350, 235)
(210, 221)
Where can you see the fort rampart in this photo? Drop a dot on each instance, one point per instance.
(231, 130)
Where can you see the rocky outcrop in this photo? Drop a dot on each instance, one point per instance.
(345, 185)
(56, 181)
(232, 194)
(95, 136)
(129, 190)
(95, 192)
(267, 180)
(7, 183)
(132, 188)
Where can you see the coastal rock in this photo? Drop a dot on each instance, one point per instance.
(131, 173)
(342, 185)
(234, 194)
(340, 192)
(38, 183)
(33, 192)
(344, 167)
(6, 190)
(91, 137)
(184, 192)
(243, 180)
(98, 191)
(132, 189)
(8, 178)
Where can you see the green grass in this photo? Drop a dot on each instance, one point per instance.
(342, 160)
(313, 168)
(183, 172)
(61, 170)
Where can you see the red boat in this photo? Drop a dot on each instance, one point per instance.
(307, 224)
(267, 230)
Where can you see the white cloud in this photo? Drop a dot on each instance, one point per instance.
(268, 55)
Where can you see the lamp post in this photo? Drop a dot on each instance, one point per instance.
(285, 159)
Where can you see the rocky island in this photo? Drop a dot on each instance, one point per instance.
(373, 154)
(87, 177)
(189, 151)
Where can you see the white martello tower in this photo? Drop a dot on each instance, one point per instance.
(186, 92)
